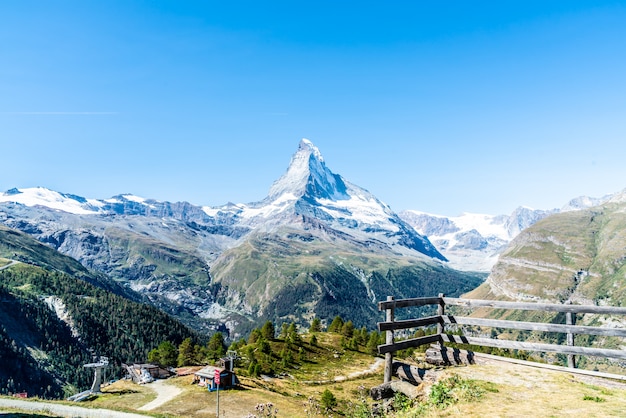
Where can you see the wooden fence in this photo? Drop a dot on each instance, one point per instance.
(441, 320)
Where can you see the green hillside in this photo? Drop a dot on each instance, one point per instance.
(294, 276)
(579, 256)
(138, 255)
(41, 353)
(15, 245)
(574, 257)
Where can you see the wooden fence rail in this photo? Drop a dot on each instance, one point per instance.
(441, 320)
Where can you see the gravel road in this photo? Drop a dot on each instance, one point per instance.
(63, 410)
(165, 393)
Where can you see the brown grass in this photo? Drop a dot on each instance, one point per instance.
(514, 390)
(290, 396)
(123, 395)
(517, 391)
(524, 391)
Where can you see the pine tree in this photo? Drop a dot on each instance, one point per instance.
(336, 325)
(216, 347)
(186, 353)
(154, 356)
(292, 334)
(255, 335)
(268, 331)
(347, 329)
(328, 400)
(316, 325)
(372, 343)
(168, 355)
(362, 336)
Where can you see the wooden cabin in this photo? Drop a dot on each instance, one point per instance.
(206, 377)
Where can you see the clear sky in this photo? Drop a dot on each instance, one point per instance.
(445, 107)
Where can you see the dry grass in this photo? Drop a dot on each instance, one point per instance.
(516, 391)
(513, 390)
(524, 391)
(289, 395)
(123, 395)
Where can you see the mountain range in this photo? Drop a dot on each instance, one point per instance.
(317, 245)
(474, 242)
(573, 256)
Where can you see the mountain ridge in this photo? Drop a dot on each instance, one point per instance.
(218, 265)
(314, 232)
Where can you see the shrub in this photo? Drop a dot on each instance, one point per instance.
(328, 400)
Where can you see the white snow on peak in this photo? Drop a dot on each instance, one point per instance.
(484, 224)
(297, 173)
(40, 196)
(307, 163)
(134, 198)
(228, 208)
(316, 152)
(619, 197)
(210, 211)
(365, 209)
(278, 205)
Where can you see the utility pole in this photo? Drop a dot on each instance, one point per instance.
(216, 380)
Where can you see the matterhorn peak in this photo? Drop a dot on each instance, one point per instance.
(308, 175)
(308, 146)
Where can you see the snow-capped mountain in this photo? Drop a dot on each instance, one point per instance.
(39, 196)
(308, 175)
(307, 189)
(316, 245)
(220, 263)
(473, 242)
(310, 190)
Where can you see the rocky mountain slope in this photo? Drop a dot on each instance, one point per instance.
(573, 256)
(54, 315)
(316, 245)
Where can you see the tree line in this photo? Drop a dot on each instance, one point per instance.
(267, 350)
(107, 324)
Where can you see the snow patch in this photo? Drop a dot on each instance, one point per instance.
(40, 196)
(134, 198)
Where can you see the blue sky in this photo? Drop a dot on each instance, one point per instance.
(445, 107)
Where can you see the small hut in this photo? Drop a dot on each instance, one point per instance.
(206, 377)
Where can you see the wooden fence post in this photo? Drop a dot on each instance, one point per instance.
(390, 315)
(441, 309)
(570, 319)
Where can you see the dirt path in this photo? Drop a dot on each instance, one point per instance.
(165, 393)
(372, 369)
(62, 410)
(12, 263)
